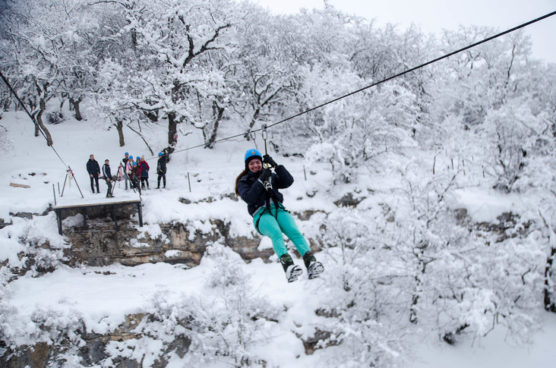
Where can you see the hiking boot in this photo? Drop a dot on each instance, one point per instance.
(292, 270)
(314, 267)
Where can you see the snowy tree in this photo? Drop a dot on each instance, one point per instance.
(172, 36)
(265, 75)
(33, 58)
(354, 131)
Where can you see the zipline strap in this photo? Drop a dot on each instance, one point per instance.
(32, 118)
(264, 135)
(381, 81)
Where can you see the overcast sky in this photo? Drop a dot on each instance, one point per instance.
(435, 15)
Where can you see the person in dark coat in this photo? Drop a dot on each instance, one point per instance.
(108, 177)
(259, 188)
(161, 169)
(94, 170)
(136, 176)
(144, 172)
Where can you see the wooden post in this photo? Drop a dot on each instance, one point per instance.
(140, 213)
(64, 187)
(304, 173)
(75, 180)
(189, 182)
(54, 192)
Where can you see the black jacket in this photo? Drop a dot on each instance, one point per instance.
(252, 191)
(93, 168)
(161, 165)
(106, 171)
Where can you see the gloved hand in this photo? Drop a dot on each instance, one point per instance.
(265, 174)
(268, 160)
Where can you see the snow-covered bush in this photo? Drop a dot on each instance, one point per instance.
(226, 324)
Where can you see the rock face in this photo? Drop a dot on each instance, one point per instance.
(92, 350)
(349, 200)
(36, 356)
(100, 244)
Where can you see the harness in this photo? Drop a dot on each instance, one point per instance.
(269, 192)
(277, 205)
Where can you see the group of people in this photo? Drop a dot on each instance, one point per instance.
(134, 171)
(94, 171)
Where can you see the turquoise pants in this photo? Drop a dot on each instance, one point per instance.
(273, 227)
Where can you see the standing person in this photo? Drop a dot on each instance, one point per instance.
(161, 169)
(94, 170)
(136, 176)
(144, 172)
(124, 162)
(258, 187)
(126, 157)
(108, 177)
(128, 169)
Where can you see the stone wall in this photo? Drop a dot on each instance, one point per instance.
(101, 244)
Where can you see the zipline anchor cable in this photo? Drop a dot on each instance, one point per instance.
(68, 170)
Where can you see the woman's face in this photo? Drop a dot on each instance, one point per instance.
(255, 165)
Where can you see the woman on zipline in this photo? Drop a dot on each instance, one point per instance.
(258, 186)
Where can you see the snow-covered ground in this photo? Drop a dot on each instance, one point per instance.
(102, 297)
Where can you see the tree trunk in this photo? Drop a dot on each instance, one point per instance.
(38, 118)
(75, 104)
(134, 39)
(252, 122)
(217, 113)
(120, 128)
(548, 291)
(172, 130)
(152, 115)
(549, 302)
(418, 251)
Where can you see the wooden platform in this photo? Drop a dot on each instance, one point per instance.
(83, 205)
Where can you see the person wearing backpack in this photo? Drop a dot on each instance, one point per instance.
(161, 169)
(144, 172)
(108, 177)
(135, 176)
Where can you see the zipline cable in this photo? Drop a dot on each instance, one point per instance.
(417, 67)
(379, 82)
